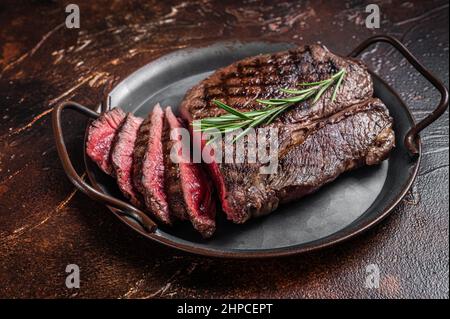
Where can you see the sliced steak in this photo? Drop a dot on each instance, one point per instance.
(100, 138)
(189, 189)
(148, 165)
(317, 142)
(122, 157)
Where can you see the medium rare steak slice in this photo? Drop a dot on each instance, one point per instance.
(172, 185)
(189, 190)
(148, 165)
(100, 137)
(317, 141)
(122, 157)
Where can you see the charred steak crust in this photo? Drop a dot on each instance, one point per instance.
(148, 165)
(317, 142)
(189, 186)
(362, 136)
(122, 158)
(101, 134)
(261, 77)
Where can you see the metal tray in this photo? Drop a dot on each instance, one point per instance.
(343, 209)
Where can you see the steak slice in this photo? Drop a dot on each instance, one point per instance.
(100, 138)
(122, 157)
(189, 189)
(173, 181)
(148, 165)
(316, 142)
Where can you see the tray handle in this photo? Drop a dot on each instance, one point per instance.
(411, 139)
(123, 207)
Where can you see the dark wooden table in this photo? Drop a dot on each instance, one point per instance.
(45, 224)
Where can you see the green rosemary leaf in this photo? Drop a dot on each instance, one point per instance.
(277, 113)
(270, 102)
(292, 91)
(321, 91)
(274, 107)
(296, 99)
(252, 125)
(311, 83)
(338, 84)
(229, 109)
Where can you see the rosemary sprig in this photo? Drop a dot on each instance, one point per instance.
(273, 108)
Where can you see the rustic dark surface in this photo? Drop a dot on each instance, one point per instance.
(45, 224)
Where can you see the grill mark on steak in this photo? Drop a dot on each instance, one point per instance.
(100, 138)
(148, 168)
(271, 72)
(317, 141)
(122, 158)
(191, 190)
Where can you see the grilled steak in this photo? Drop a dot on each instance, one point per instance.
(122, 157)
(100, 137)
(261, 77)
(317, 142)
(189, 190)
(148, 165)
